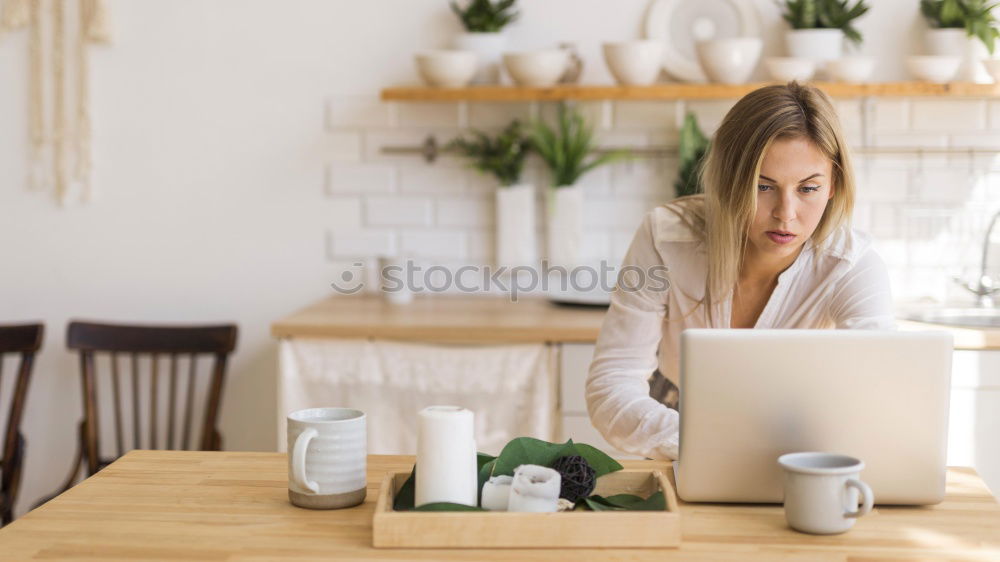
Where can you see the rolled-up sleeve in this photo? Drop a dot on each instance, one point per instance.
(617, 389)
(862, 299)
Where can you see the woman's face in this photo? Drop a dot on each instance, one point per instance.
(793, 189)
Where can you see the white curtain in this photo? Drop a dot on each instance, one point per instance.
(510, 388)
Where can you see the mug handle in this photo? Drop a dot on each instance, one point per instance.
(866, 494)
(299, 460)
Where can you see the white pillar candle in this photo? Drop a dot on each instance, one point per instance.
(534, 489)
(446, 457)
(496, 493)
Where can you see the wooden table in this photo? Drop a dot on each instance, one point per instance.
(163, 505)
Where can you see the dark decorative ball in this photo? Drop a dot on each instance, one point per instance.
(578, 477)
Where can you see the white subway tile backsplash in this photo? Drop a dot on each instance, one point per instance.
(891, 115)
(436, 243)
(883, 184)
(359, 178)
(926, 212)
(358, 111)
(911, 140)
(418, 114)
(354, 243)
(480, 244)
(948, 115)
(659, 115)
(938, 185)
(343, 146)
(987, 139)
(597, 114)
(470, 212)
(497, 115)
(432, 179)
(345, 212)
(398, 210)
(709, 113)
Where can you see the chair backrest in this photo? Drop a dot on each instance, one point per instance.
(23, 339)
(172, 345)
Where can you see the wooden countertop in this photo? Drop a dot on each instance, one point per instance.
(444, 318)
(180, 505)
(492, 320)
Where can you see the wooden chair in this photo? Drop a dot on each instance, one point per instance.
(170, 345)
(25, 339)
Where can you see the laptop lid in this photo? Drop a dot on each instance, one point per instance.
(749, 396)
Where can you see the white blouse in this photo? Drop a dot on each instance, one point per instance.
(845, 285)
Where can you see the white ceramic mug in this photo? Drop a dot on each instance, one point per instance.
(821, 492)
(327, 457)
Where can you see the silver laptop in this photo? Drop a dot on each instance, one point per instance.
(749, 396)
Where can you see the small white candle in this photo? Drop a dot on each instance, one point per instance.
(534, 489)
(496, 493)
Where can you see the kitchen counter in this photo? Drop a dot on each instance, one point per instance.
(492, 319)
(444, 319)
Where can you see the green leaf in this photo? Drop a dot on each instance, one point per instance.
(625, 502)
(447, 506)
(404, 498)
(528, 450)
(597, 459)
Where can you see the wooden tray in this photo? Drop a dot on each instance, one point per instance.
(618, 529)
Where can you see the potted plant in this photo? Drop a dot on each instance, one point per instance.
(568, 152)
(820, 26)
(484, 21)
(964, 28)
(692, 149)
(503, 157)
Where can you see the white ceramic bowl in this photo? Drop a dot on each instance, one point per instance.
(856, 69)
(729, 61)
(634, 63)
(786, 69)
(447, 68)
(536, 68)
(993, 67)
(933, 68)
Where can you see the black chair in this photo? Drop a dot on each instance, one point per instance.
(24, 339)
(161, 344)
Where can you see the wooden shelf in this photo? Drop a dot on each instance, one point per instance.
(676, 91)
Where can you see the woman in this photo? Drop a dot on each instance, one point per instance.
(768, 245)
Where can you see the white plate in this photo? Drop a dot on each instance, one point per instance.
(679, 23)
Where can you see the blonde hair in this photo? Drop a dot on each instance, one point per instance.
(722, 215)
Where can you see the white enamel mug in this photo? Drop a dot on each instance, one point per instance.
(327, 457)
(822, 492)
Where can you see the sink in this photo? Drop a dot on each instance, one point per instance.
(970, 317)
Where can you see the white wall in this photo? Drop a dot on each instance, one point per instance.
(210, 150)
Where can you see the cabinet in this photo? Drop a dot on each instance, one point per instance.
(574, 362)
(974, 421)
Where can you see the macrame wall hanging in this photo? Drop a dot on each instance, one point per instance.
(52, 147)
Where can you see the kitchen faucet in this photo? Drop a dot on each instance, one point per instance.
(985, 287)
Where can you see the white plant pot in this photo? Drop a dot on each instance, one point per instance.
(489, 46)
(820, 45)
(954, 42)
(565, 225)
(515, 236)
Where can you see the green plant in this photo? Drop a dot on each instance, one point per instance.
(565, 150)
(501, 156)
(824, 14)
(485, 15)
(692, 150)
(527, 450)
(975, 16)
